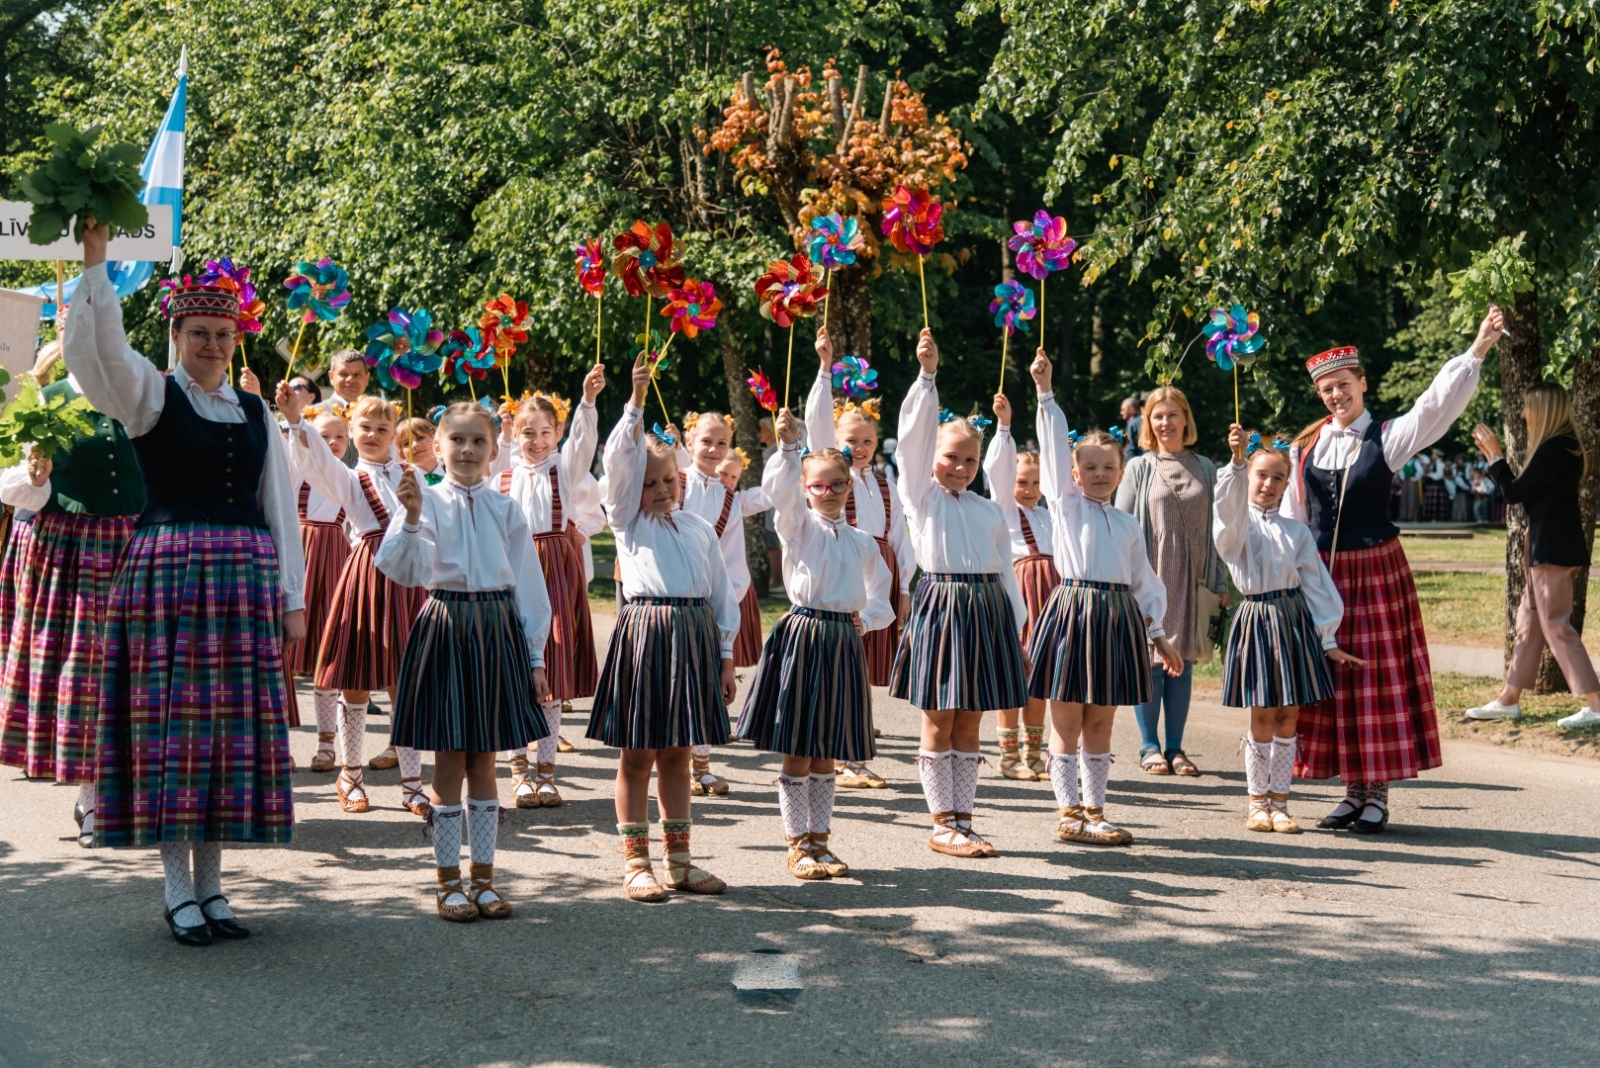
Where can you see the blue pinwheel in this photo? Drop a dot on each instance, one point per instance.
(466, 356)
(1233, 337)
(834, 241)
(1012, 306)
(318, 290)
(855, 376)
(404, 347)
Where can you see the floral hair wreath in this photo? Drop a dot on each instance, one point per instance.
(691, 418)
(333, 406)
(744, 458)
(872, 409)
(1256, 444)
(562, 406)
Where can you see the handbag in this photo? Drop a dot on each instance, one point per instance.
(1209, 616)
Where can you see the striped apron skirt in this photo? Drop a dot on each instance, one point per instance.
(811, 697)
(369, 619)
(1380, 725)
(569, 657)
(50, 692)
(191, 743)
(327, 548)
(1038, 579)
(747, 643)
(881, 645)
(466, 680)
(1090, 646)
(1274, 656)
(661, 686)
(959, 649)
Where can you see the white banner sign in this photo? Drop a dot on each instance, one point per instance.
(153, 243)
(19, 330)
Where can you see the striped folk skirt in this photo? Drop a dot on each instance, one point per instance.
(466, 681)
(1380, 725)
(811, 697)
(661, 686)
(13, 576)
(191, 744)
(960, 648)
(881, 645)
(369, 620)
(326, 548)
(1090, 646)
(747, 643)
(569, 659)
(1274, 656)
(1038, 579)
(50, 692)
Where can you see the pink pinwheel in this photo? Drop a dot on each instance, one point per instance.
(589, 259)
(1042, 246)
(911, 221)
(693, 308)
(229, 275)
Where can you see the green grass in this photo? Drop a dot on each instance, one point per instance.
(1462, 609)
(1486, 546)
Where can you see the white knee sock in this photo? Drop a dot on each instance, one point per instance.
(483, 818)
(1096, 771)
(937, 788)
(1063, 769)
(964, 781)
(1257, 766)
(1282, 773)
(545, 751)
(410, 762)
(700, 752)
(208, 879)
(447, 835)
(794, 804)
(327, 711)
(175, 857)
(821, 807)
(352, 733)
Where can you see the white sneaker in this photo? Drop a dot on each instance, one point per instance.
(1583, 717)
(1496, 710)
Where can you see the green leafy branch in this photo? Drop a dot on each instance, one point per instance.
(1496, 276)
(78, 183)
(48, 424)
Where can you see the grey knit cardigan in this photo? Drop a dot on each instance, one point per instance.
(1133, 496)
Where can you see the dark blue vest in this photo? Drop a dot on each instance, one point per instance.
(1367, 488)
(195, 469)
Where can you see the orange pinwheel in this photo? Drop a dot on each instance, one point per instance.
(647, 260)
(790, 290)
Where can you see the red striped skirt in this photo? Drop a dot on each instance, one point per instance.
(881, 645)
(570, 667)
(369, 619)
(747, 644)
(1036, 575)
(1380, 725)
(326, 548)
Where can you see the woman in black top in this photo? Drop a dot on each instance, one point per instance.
(1557, 548)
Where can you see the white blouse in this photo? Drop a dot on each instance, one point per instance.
(1000, 468)
(880, 518)
(341, 485)
(827, 564)
(704, 496)
(124, 385)
(1094, 540)
(951, 533)
(470, 539)
(1267, 551)
(319, 509)
(530, 483)
(676, 555)
(587, 516)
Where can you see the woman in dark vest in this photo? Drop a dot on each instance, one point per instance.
(192, 748)
(1381, 725)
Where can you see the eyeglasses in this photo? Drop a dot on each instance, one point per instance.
(300, 388)
(204, 338)
(820, 489)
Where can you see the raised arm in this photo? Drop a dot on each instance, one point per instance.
(276, 493)
(117, 380)
(1442, 403)
(1055, 451)
(919, 429)
(583, 436)
(819, 402)
(781, 481)
(328, 475)
(1000, 469)
(1230, 521)
(625, 459)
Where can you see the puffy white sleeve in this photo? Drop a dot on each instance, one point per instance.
(754, 500)
(583, 435)
(1008, 576)
(880, 609)
(277, 496)
(408, 553)
(1322, 596)
(819, 413)
(723, 602)
(117, 380)
(1055, 451)
(919, 432)
(1440, 405)
(533, 598)
(1294, 499)
(588, 516)
(625, 459)
(18, 490)
(781, 481)
(1231, 513)
(327, 474)
(905, 554)
(1000, 469)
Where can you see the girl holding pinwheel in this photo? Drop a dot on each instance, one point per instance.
(1380, 725)
(192, 746)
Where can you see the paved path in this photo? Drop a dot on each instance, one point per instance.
(1468, 932)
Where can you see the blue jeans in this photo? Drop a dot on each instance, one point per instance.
(1175, 691)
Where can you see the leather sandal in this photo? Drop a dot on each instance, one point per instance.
(1073, 826)
(1151, 762)
(857, 777)
(461, 911)
(414, 798)
(544, 783)
(1182, 765)
(1282, 822)
(801, 863)
(639, 881)
(483, 883)
(1260, 815)
(324, 760)
(385, 760)
(1012, 766)
(964, 825)
(562, 745)
(1103, 831)
(348, 786)
(682, 874)
(824, 856)
(948, 839)
(703, 781)
(1033, 755)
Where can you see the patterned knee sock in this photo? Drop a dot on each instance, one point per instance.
(352, 733)
(821, 807)
(1282, 764)
(1064, 777)
(794, 804)
(1378, 793)
(936, 780)
(175, 857)
(1257, 766)
(410, 762)
(675, 848)
(446, 827)
(483, 828)
(545, 748)
(1096, 771)
(1034, 736)
(964, 783)
(327, 711)
(1008, 739)
(635, 839)
(208, 879)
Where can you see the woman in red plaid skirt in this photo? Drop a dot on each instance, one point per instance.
(1380, 725)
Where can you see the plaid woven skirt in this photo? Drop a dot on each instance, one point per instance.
(466, 680)
(881, 645)
(1090, 646)
(1038, 579)
(13, 576)
(960, 649)
(369, 619)
(661, 686)
(811, 697)
(1380, 725)
(326, 548)
(1274, 656)
(50, 691)
(191, 743)
(569, 659)
(747, 643)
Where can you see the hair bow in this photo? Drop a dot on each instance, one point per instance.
(982, 423)
(744, 458)
(436, 413)
(664, 437)
(1256, 443)
(947, 416)
(1117, 433)
(1074, 436)
(848, 455)
(562, 406)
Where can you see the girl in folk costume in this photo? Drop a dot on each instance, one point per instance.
(473, 670)
(413, 439)
(88, 502)
(873, 506)
(707, 444)
(326, 546)
(1380, 725)
(1014, 486)
(192, 746)
(1090, 646)
(542, 479)
(1285, 632)
(960, 655)
(661, 690)
(811, 699)
(369, 616)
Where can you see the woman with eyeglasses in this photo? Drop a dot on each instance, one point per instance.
(192, 746)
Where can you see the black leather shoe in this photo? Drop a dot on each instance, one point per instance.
(223, 928)
(187, 936)
(1337, 823)
(1365, 826)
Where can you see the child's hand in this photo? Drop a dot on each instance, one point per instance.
(730, 685)
(1339, 656)
(1169, 656)
(824, 350)
(541, 685)
(594, 382)
(294, 626)
(928, 352)
(855, 617)
(289, 403)
(1041, 370)
(1237, 441)
(39, 468)
(788, 427)
(641, 379)
(410, 494)
(1002, 409)
(905, 607)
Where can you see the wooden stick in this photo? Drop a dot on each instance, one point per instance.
(1005, 345)
(1236, 393)
(598, 303)
(294, 353)
(827, 302)
(411, 439)
(787, 369)
(1041, 309)
(664, 413)
(923, 278)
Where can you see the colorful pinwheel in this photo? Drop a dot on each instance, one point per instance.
(1042, 246)
(466, 357)
(692, 308)
(834, 241)
(647, 260)
(1011, 307)
(404, 347)
(1233, 337)
(789, 290)
(911, 223)
(589, 259)
(322, 289)
(505, 326)
(761, 388)
(855, 376)
(229, 275)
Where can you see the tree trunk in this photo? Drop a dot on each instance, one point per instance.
(1586, 417)
(1520, 365)
(850, 313)
(747, 429)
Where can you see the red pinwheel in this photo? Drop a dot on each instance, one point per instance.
(789, 290)
(647, 260)
(761, 387)
(505, 326)
(911, 221)
(693, 308)
(590, 262)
